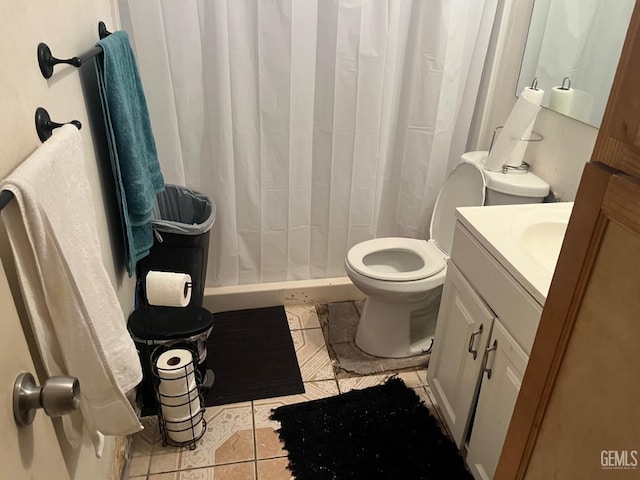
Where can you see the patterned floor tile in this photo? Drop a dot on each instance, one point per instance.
(302, 316)
(142, 442)
(268, 443)
(142, 447)
(424, 397)
(358, 383)
(274, 469)
(234, 471)
(312, 354)
(139, 466)
(241, 442)
(410, 379)
(229, 438)
(435, 409)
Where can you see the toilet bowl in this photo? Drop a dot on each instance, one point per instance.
(402, 278)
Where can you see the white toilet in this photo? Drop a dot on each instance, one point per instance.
(403, 277)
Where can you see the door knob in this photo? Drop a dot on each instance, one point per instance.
(57, 396)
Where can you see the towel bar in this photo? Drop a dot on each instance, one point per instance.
(45, 127)
(47, 61)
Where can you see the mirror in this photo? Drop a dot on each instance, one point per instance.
(573, 48)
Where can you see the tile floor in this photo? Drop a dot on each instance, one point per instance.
(240, 442)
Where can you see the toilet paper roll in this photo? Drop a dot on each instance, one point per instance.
(184, 430)
(169, 289)
(560, 100)
(175, 369)
(581, 105)
(174, 394)
(519, 122)
(180, 406)
(186, 409)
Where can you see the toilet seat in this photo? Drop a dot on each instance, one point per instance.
(396, 259)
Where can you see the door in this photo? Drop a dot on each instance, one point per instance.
(505, 364)
(462, 333)
(25, 452)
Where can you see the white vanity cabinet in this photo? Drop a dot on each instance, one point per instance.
(505, 365)
(484, 310)
(462, 335)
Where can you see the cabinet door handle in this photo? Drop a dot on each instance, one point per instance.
(472, 341)
(486, 358)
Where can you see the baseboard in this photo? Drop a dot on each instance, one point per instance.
(298, 292)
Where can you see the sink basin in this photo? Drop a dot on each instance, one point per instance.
(526, 239)
(541, 235)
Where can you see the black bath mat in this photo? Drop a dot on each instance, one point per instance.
(381, 432)
(252, 356)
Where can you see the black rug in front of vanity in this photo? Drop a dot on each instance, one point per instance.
(380, 432)
(252, 356)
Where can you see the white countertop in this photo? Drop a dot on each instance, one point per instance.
(529, 257)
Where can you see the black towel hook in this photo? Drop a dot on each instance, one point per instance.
(47, 61)
(45, 127)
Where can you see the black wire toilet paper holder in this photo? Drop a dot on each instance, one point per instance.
(196, 418)
(524, 166)
(195, 423)
(187, 286)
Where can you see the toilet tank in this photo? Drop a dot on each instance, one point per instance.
(514, 188)
(509, 188)
(494, 197)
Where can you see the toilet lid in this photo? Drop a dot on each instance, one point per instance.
(396, 259)
(464, 187)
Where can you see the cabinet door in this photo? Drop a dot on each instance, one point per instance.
(505, 363)
(462, 333)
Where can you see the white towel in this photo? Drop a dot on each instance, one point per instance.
(74, 311)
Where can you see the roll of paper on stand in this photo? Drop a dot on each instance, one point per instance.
(168, 289)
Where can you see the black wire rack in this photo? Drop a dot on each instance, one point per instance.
(181, 392)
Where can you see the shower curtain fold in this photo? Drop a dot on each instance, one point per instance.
(312, 124)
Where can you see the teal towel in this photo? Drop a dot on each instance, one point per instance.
(132, 148)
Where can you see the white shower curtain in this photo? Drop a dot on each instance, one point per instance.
(312, 124)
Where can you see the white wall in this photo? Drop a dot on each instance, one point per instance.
(567, 145)
(70, 28)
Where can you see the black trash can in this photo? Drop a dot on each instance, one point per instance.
(182, 221)
(151, 326)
